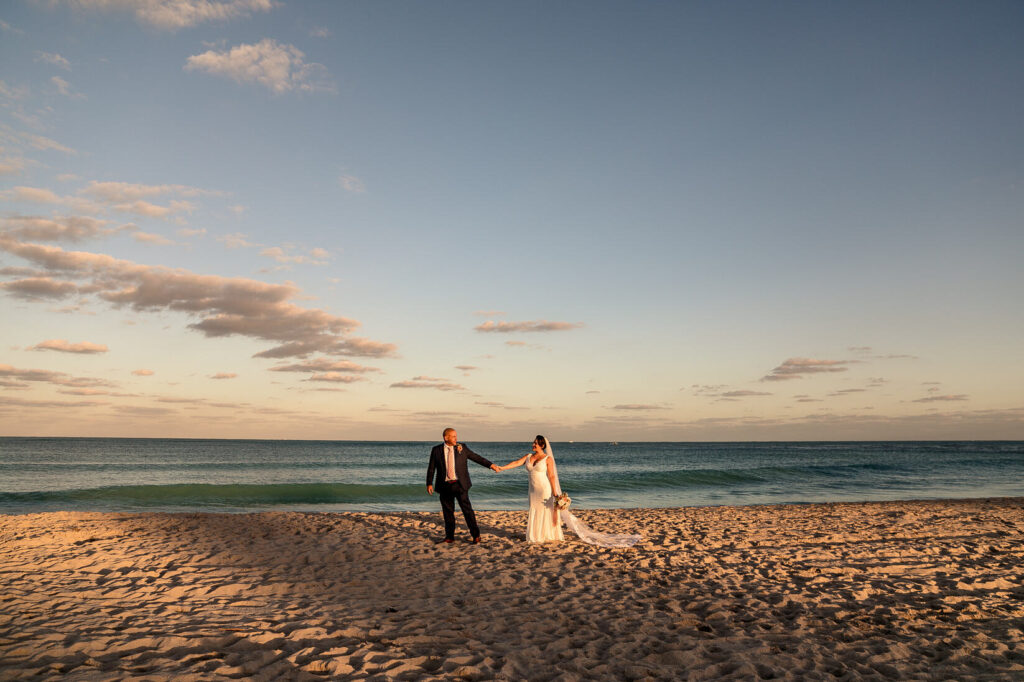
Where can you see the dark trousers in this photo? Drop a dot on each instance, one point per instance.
(449, 492)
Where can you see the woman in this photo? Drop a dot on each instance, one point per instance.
(544, 523)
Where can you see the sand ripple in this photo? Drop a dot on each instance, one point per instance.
(902, 590)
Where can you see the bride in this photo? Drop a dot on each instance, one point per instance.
(544, 523)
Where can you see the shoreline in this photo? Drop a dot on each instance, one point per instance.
(917, 589)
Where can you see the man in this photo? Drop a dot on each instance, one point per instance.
(448, 462)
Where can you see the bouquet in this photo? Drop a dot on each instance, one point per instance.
(562, 501)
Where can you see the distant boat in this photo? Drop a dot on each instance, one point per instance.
(614, 442)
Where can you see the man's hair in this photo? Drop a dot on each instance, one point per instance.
(445, 432)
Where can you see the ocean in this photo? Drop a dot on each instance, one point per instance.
(122, 474)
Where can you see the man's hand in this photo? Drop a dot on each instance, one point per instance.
(495, 467)
(430, 489)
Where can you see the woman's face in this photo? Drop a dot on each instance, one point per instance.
(537, 448)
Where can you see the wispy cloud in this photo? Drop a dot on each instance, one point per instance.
(57, 229)
(428, 382)
(143, 373)
(177, 14)
(223, 375)
(53, 59)
(316, 256)
(943, 398)
(48, 376)
(527, 326)
(337, 377)
(227, 306)
(640, 407)
(62, 346)
(150, 238)
(797, 368)
(44, 144)
(325, 365)
(500, 406)
(351, 183)
(278, 67)
(64, 88)
(236, 240)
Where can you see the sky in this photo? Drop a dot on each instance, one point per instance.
(599, 221)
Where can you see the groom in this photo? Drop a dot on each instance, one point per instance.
(448, 460)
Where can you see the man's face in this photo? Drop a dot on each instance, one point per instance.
(451, 437)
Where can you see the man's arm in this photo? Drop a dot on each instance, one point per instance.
(430, 474)
(482, 461)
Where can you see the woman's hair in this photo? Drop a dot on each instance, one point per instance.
(542, 442)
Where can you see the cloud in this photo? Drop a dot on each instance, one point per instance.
(175, 14)
(11, 165)
(466, 368)
(226, 306)
(428, 382)
(192, 232)
(39, 195)
(48, 376)
(127, 192)
(529, 326)
(134, 198)
(716, 392)
(44, 144)
(150, 238)
(64, 88)
(143, 372)
(796, 368)
(859, 349)
(639, 407)
(223, 375)
(319, 32)
(316, 256)
(325, 365)
(943, 398)
(351, 183)
(236, 240)
(56, 229)
(336, 377)
(38, 288)
(53, 59)
(63, 346)
(46, 404)
(847, 391)
(280, 68)
(497, 405)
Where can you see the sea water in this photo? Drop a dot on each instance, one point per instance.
(120, 474)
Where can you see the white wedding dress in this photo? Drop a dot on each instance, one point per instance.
(539, 524)
(542, 524)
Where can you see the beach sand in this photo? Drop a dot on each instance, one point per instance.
(894, 590)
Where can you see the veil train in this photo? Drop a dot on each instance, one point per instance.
(582, 530)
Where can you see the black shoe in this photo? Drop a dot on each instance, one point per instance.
(476, 540)
(446, 541)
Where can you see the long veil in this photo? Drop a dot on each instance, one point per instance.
(582, 530)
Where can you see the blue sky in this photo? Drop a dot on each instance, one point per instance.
(622, 221)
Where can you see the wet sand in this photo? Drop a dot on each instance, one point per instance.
(895, 590)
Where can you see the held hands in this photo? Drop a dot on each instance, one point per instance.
(495, 467)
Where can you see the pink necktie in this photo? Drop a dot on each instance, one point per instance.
(449, 459)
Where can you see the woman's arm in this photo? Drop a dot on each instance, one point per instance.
(512, 465)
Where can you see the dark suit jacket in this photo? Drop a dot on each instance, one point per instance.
(436, 468)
